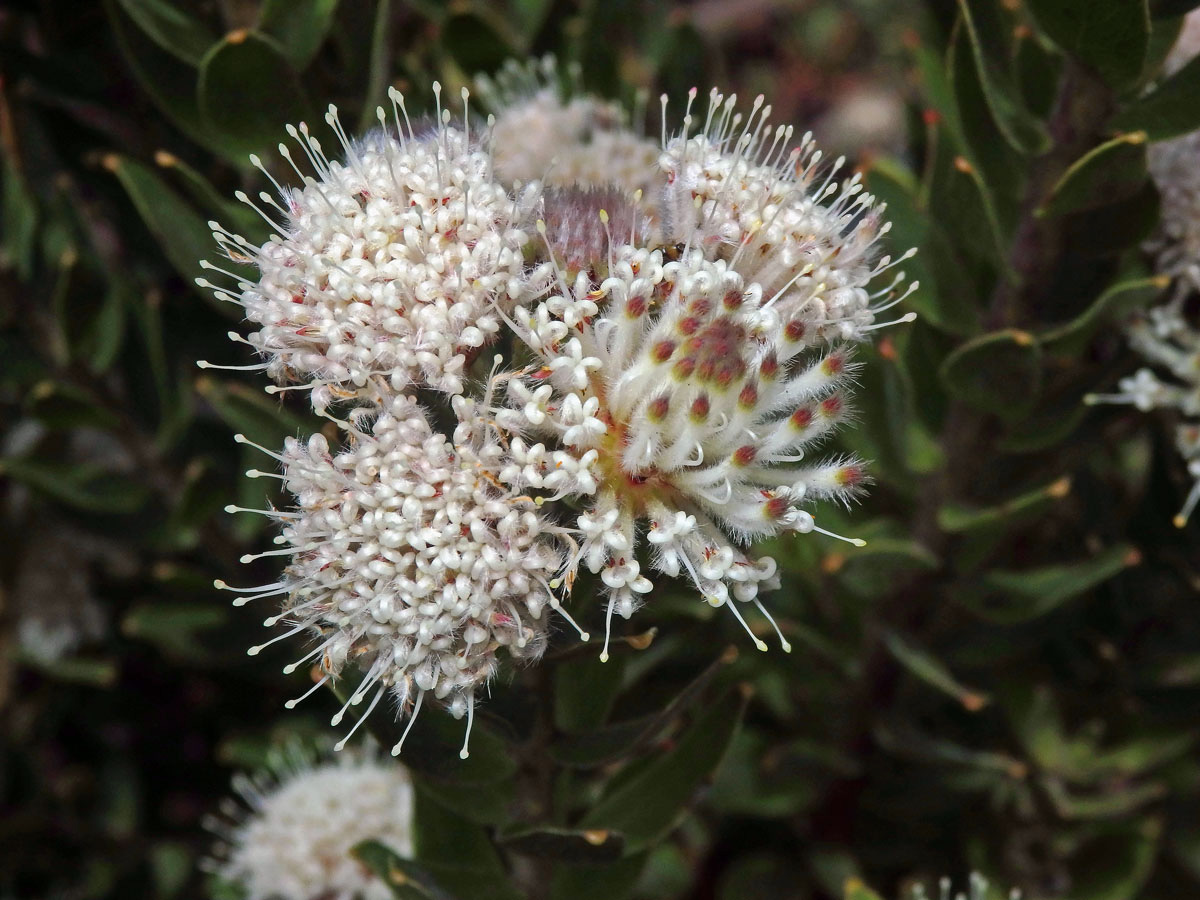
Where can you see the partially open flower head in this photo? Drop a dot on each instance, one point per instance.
(741, 191)
(547, 130)
(685, 402)
(291, 836)
(390, 263)
(411, 559)
(1167, 340)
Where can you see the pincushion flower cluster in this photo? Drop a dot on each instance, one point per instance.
(291, 836)
(671, 339)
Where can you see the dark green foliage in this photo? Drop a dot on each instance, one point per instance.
(1005, 678)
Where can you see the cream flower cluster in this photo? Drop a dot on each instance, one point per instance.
(411, 557)
(290, 838)
(681, 333)
(394, 263)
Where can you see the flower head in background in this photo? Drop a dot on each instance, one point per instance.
(1163, 335)
(546, 131)
(410, 558)
(977, 886)
(393, 263)
(290, 838)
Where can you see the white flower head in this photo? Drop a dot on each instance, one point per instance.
(291, 837)
(1168, 341)
(685, 401)
(741, 191)
(411, 559)
(547, 130)
(392, 263)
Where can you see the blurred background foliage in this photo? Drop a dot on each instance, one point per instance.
(1007, 678)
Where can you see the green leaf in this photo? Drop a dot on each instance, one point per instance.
(183, 234)
(856, 890)
(171, 28)
(957, 518)
(477, 40)
(1117, 863)
(609, 744)
(614, 881)
(930, 670)
(585, 690)
(379, 66)
(166, 79)
(18, 237)
(564, 844)
(1172, 109)
(647, 806)
(1109, 37)
(1111, 803)
(248, 91)
(300, 26)
(406, 880)
(87, 486)
(252, 412)
(101, 343)
(998, 372)
(1013, 597)
(944, 296)
(239, 217)
(1112, 171)
(1117, 301)
(1020, 129)
(457, 852)
(173, 626)
(64, 406)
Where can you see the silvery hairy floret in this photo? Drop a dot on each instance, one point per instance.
(393, 263)
(741, 191)
(291, 836)
(548, 131)
(410, 558)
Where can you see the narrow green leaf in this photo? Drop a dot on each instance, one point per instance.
(87, 487)
(458, 853)
(236, 216)
(609, 744)
(379, 67)
(1172, 109)
(1024, 132)
(1112, 803)
(171, 28)
(1112, 171)
(477, 41)
(614, 881)
(1117, 863)
(1109, 37)
(998, 372)
(167, 80)
(253, 413)
(856, 890)
(944, 296)
(18, 237)
(248, 91)
(181, 232)
(585, 690)
(564, 844)
(1118, 300)
(300, 26)
(65, 406)
(957, 518)
(173, 627)
(405, 879)
(1013, 597)
(105, 335)
(646, 807)
(930, 670)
